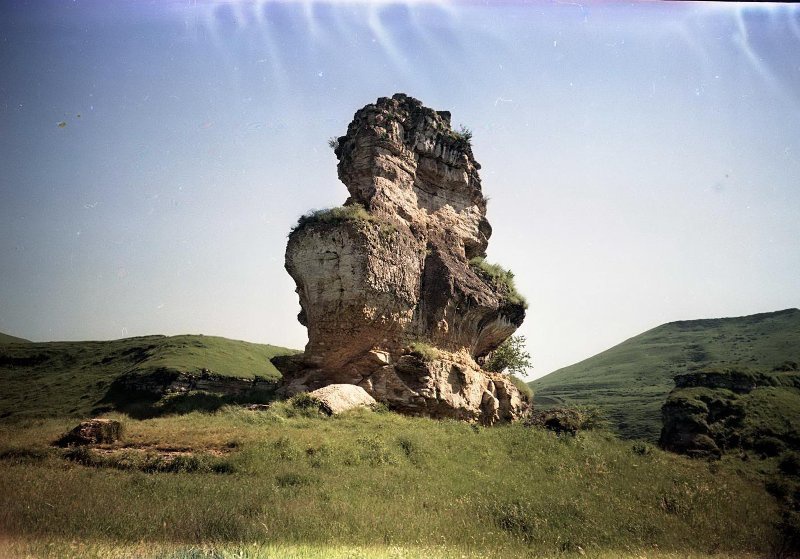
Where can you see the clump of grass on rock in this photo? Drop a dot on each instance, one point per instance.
(353, 212)
(500, 278)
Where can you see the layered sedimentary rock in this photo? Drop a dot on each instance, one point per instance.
(391, 286)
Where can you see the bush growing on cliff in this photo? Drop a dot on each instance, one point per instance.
(500, 278)
(463, 134)
(510, 356)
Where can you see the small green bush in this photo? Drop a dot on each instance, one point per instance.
(510, 356)
(463, 135)
(424, 351)
(567, 420)
(374, 451)
(304, 401)
(414, 450)
(778, 487)
(642, 448)
(787, 366)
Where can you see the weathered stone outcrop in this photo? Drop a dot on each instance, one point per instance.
(390, 272)
(92, 431)
(715, 411)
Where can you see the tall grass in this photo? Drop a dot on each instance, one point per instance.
(383, 481)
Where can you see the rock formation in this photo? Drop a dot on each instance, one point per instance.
(713, 411)
(393, 287)
(92, 431)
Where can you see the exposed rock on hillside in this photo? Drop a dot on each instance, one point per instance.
(92, 431)
(716, 411)
(393, 286)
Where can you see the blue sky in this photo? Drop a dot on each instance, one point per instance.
(642, 159)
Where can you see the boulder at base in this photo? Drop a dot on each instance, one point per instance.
(337, 398)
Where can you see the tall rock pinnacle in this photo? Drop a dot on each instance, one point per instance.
(393, 286)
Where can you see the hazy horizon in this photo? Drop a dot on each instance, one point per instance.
(642, 160)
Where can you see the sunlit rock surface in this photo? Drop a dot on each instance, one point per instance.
(386, 288)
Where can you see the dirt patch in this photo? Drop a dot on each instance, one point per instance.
(163, 451)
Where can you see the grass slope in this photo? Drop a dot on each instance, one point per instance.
(72, 378)
(381, 484)
(630, 381)
(6, 339)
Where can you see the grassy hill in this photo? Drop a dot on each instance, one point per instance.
(6, 339)
(290, 482)
(72, 378)
(630, 381)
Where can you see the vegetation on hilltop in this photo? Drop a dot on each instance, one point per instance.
(630, 381)
(353, 212)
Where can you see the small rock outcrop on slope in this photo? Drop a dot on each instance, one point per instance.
(715, 411)
(393, 287)
(92, 431)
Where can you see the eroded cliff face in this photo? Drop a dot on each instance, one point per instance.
(387, 291)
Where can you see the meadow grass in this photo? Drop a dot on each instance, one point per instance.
(82, 550)
(368, 484)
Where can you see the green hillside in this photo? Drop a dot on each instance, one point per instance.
(72, 378)
(6, 339)
(288, 481)
(630, 381)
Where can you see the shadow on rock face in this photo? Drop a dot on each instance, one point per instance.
(169, 392)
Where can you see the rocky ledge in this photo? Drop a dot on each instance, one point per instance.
(393, 286)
